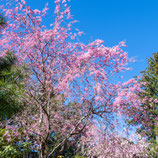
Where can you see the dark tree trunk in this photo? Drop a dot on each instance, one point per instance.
(44, 150)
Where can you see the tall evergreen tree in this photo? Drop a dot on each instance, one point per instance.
(150, 90)
(147, 117)
(11, 101)
(11, 87)
(10, 83)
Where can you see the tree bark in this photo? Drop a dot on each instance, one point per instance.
(43, 151)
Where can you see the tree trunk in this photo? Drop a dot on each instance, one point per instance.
(43, 151)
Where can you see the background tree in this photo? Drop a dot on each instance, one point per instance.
(150, 90)
(11, 100)
(147, 116)
(10, 82)
(2, 21)
(11, 87)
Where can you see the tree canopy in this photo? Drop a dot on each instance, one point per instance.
(72, 94)
(147, 117)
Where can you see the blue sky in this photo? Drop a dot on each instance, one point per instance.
(133, 21)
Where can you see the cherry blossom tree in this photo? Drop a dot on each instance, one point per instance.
(69, 85)
(101, 143)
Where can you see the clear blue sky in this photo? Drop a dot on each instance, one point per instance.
(134, 21)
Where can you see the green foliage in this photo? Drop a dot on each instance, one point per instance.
(2, 20)
(8, 149)
(149, 81)
(11, 102)
(76, 156)
(13, 147)
(150, 90)
(11, 87)
(11, 84)
(153, 150)
(79, 156)
(150, 76)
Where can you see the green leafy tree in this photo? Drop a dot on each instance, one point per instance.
(11, 87)
(147, 117)
(150, 90)
(2, 21)
(11, 147)
(11, 83)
